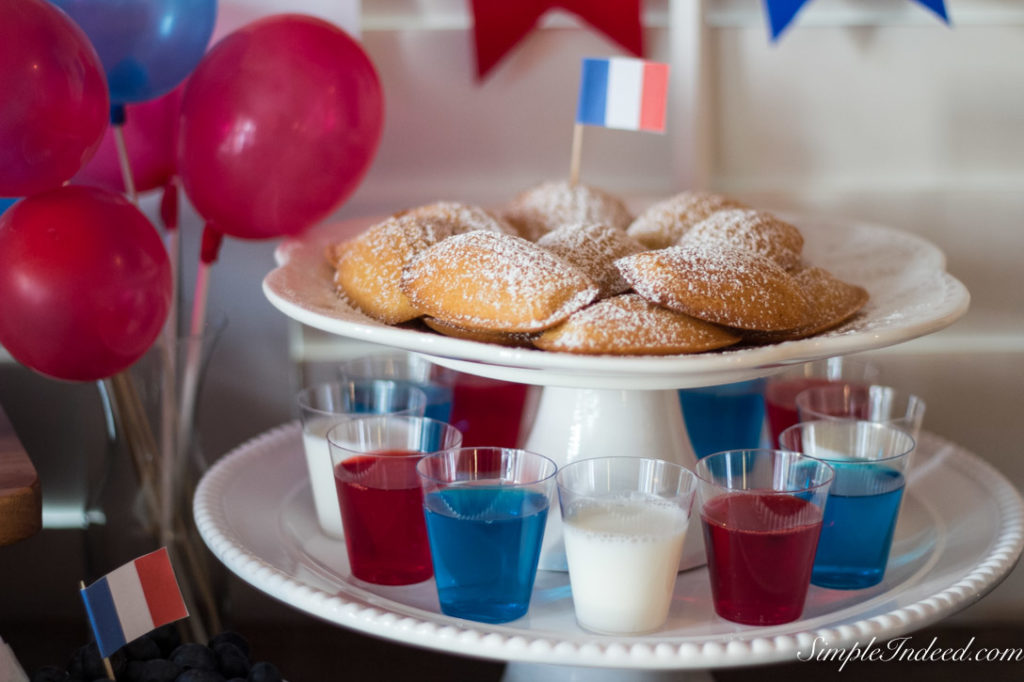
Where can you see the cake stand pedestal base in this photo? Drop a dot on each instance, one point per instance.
(582, 423)
(517, 671)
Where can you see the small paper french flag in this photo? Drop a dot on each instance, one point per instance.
(624, 93)
(132, 600)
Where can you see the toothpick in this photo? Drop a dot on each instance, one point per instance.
(577, 148)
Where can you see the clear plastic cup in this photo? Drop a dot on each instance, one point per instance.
(379, 493)
(624, 520)
(486, 509)
(761, 512)
(781, 389)
(869, 459)
(324, 405)
(872, 403)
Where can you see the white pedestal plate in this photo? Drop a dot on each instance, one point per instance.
(595, 406)
(961, 530)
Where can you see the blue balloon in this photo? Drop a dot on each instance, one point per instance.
(5, 204)
(147, 47)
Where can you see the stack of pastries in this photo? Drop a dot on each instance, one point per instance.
(566, 267)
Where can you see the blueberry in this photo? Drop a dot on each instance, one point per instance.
(49, 673)
(133, 671)
(86, 663)
(264, 672)
(142, 649)
(167, 637)
(231, 661)
(196, 675)
(232, 638)
(159, 670)
(191, 655)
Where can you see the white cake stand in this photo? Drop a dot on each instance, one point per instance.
(960, 531)
(593, 406)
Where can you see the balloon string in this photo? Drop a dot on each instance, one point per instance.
(171, 451)
(210, 248)
(126, 168)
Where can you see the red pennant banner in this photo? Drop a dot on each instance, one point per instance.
(499, 25)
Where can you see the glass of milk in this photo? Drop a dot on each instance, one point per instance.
(323, 406)
(624, 520)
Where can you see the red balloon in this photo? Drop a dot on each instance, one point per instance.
(55, 101)
(150, 131)
(279, 123)
(85, 283)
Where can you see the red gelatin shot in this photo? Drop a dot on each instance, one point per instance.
(760, 552)
(382, 515)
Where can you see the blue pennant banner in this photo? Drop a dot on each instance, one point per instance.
(782, 12)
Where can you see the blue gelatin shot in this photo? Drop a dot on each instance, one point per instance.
(858, 528)
(727, 417)
(485, 544)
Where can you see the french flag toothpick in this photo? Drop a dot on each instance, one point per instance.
(619, 92)
(623, 93)
(132, 600)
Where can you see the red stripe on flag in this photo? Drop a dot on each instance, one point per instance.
(160, 587)
(654, 97)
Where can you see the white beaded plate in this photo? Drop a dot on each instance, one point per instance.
(961, 530)
(911, 295)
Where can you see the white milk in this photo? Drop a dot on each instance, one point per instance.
(623, 556)
(321, 475)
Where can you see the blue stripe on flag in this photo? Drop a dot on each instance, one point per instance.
(99, 604)
(593, 92)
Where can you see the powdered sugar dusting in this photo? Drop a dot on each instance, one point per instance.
(756, 231)
(832, 300)
(550, 205)
(630, 325)
(728, 286)
(663, 223)
(498, 282)
(455, 217)
(593, 248)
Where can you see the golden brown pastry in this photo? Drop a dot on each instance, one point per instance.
(727, 286)
(593, 248)
(663, 223)
(548, 206)
(832, 302)
(457, 217)
(496, 282)
(630, 325)
(757, 231)
(369, 270)
(499, 338)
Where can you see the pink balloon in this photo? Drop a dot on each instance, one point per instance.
(279, 124)
(85, 283)
(55, 101)
(150, 132)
